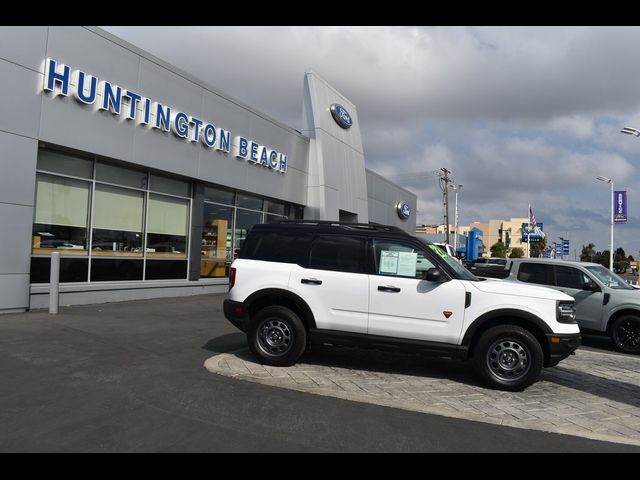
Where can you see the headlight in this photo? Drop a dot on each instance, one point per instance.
(565, 311)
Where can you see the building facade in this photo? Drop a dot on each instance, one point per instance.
(145, 179)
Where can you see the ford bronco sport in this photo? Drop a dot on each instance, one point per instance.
(298, 283)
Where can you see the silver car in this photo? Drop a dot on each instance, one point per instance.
(605, 302)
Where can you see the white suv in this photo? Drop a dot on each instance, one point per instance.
(297, 283)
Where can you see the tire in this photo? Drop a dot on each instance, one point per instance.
(508, 357)
(625, 334)
(277, 336)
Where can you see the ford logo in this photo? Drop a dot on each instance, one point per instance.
(404, 210)
(341, 116)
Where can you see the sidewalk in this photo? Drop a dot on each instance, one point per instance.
(591, 394)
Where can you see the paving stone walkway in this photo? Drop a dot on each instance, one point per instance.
(590, 394)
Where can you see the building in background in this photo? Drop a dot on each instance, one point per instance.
(146, 180)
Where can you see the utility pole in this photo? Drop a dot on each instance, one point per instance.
(444, 179)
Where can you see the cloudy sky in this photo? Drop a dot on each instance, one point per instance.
(520, 115)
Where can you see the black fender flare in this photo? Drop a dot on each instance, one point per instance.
(522, 315)
(266, 293)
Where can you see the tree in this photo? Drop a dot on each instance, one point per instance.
(516, 252)
(588, 253)
(620, 261)
(498, 250)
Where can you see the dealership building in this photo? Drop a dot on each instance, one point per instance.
(145, 179)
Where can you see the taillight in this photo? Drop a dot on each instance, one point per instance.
(232, 278)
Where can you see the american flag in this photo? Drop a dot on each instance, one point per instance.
(532, 219)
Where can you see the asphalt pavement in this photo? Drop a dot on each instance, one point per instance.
(130, 377)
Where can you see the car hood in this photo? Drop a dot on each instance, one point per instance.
(506, 287)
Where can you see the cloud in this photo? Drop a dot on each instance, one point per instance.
(520, 115)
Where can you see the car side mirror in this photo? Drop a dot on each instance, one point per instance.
(590, 286)
(433, 275)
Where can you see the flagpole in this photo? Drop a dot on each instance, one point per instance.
(529, 234)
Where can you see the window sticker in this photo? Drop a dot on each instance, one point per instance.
(389, 262)
(438, 250)
(407, 264)
(398, 263)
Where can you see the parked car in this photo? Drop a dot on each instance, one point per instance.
(298, 283)
(486, 266)
(605, 303)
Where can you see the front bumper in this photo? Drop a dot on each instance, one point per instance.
(561, 346)
(237, 313)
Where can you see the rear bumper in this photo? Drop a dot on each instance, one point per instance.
(237, 313)
(561, 346)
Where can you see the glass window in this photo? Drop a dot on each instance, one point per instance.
(569, 277)
(65, 164)
(609, 278)
(120, 175)
(72, 269)
(167, 226)
(216, 252)
(219, 196)
(280, 247)
(275, 208)
(165, 269)
(401, 260)
(296, 212)
(117, 222)
(273, 218)
(536, 273)
(245, 219)
(248, 201)
(172, 186)
(115, 269)
(342, 254)
(61, 212)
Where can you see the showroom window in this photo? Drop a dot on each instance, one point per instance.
(115, 222)
(227, 218)
(135, 222)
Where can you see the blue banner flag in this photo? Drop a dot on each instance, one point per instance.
(620, 206)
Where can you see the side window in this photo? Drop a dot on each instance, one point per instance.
(399, 259)
(535, 273)
(338, 253)
(277, 247)
(569, 277)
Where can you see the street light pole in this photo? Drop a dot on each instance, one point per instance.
(444, 180)
(609, 181)
(455, 228)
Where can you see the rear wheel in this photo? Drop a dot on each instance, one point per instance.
(625, 333)
(508, 357)
(277, 336)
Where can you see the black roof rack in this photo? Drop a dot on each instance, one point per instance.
(371, 226)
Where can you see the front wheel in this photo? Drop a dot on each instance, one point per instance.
(625, 333)
(277, 336)
(508, 357)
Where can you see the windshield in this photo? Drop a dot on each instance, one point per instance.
(609, 278)
(452, 263)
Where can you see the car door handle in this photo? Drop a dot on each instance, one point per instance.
(382, 288)
(311, 281)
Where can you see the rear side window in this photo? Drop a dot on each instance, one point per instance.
(277, 247)
(338, 253)
(536, 273)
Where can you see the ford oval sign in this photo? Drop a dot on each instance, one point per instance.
(341, 116)
(404, 210)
